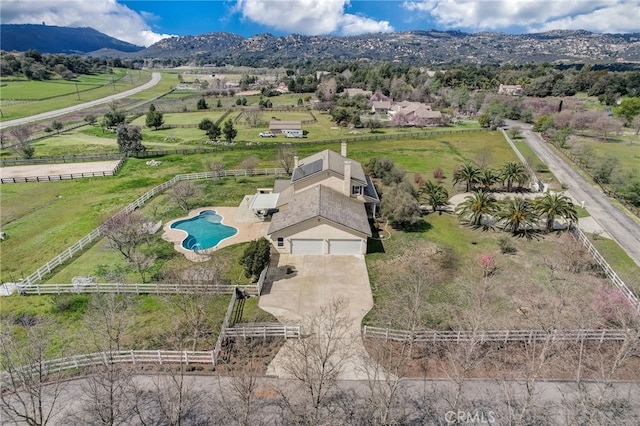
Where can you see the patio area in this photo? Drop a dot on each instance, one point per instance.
(243, 218)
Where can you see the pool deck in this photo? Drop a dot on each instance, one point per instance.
(242, 218)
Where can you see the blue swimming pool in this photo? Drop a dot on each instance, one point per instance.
(204, 231)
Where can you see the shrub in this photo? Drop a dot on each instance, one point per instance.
(256, 257)
(438, 174)
(613, 306)
(488, 264)
(506, 246)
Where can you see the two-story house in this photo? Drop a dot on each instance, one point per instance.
(325, 207)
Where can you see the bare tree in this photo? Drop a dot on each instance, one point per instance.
(108, 394)
(238, 401)
(316, 362)
(125, 231)
(484, 158)
(192, 322)
(387, 366)
(285, 158)
(250, 163)
(410, 278)
(171, 399)
(183, 194)
(22, 145)
(217, 169)
(108, 321)
(29, 394)
(251, 116)
(142, 263)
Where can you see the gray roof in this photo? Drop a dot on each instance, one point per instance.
(281, 184)
(370, 191)
(323, 202)
(328, 160)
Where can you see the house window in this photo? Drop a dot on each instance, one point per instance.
(280, 242)
(356, 190)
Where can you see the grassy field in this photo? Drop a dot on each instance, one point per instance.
(68, 210)
(34, 90)
(152, 322)
(625, 149)
(527, 290)
(64, 92)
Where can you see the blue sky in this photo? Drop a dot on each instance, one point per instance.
(145, 22)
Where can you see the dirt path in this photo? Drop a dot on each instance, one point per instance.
(616, 223)
(57, 169)
(155, 79)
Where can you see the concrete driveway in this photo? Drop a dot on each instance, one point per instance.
(298, 287)
(315, 281)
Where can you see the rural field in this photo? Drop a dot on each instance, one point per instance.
(22, 98)
(434, 276)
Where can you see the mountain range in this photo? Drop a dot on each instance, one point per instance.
(420, 47)
(52, 39)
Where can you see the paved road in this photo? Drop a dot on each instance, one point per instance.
(417, 401)
(616, 223)
(155, 79)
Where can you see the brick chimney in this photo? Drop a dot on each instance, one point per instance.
(343, 149)
(346, 185)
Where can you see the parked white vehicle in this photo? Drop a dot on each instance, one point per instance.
(293, 133)
(267, 134)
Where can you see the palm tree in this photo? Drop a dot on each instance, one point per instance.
(513, 172)
(487, 178)
(475, 206)
(518, 215)
(552, 205)
(469, 173)
(434, 194)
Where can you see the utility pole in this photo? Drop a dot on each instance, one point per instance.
(77, 91)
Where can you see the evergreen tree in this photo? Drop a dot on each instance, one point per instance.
(155, 118)
(256, 257)
(229, 131)
(202, 103)
(130, 139)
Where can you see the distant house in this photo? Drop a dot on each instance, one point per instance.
(324, 208)
(380, 107)
(416, 113)
(277, 126)
(512, 90)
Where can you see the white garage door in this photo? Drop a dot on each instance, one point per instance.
(307, 246)
(345, 246)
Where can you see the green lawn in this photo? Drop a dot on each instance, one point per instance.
(539, 168)
(37, 90)
(153, 322)
(66, 95)
(624, 266)
(627, 154)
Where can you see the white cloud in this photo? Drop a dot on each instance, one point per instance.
(619, 16)
(309, 17)
(106, 16)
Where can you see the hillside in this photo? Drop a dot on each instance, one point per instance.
(52, 39)
(413, 46)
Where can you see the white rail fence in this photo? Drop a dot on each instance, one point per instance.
(608, 270)
(96, 234)
(146, 288)
(464, 336)
(532, 176)
(288, 331)
(155, 357)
